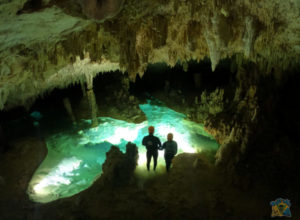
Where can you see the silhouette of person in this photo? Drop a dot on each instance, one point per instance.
(152, 145)
(170, 148)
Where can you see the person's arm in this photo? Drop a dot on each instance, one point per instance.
(158, 143)
(144, 141)
(176, 148)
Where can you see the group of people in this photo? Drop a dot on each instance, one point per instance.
(153, 144)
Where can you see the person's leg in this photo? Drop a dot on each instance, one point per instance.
(148, 160)
(171, 158)
(167, 162)
(168, 159)
(155, 156)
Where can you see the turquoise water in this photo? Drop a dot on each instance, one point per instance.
(75, 159)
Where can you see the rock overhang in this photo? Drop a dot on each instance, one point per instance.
(37, 46)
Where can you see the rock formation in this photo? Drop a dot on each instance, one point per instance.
(51, 44)
(101, 9)
(118, 168)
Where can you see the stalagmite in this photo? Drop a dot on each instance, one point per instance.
(68, 107)
(91, 99)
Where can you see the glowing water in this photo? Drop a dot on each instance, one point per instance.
(74, 161)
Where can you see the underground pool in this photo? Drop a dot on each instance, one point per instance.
(74, 159)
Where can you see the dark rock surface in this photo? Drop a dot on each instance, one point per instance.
(18, 164)
(118, 167)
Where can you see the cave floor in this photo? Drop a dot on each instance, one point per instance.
(194, 189)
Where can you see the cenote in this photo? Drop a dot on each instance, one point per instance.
(81, 82)
(75, 158)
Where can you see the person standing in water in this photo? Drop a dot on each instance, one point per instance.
(152, 145)
(170, 148)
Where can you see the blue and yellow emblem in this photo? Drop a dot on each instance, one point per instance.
(281, 208)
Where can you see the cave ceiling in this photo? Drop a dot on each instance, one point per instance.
(47, 44)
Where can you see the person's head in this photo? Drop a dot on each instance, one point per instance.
(151, 130)
(170, 137)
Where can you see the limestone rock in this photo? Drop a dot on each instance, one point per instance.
(101, 10)
(210, 104)
(233, 128)
(118, 168)
(52, 44)
(22, 159)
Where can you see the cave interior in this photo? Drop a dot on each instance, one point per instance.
(81, 81)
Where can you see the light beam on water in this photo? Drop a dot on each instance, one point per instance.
(74, 161)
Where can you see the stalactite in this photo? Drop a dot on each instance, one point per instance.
(248, 36)
(93, 107)
(213, 40)
(143, 32)
(69, 109)
(83, 89)
(91, 99)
